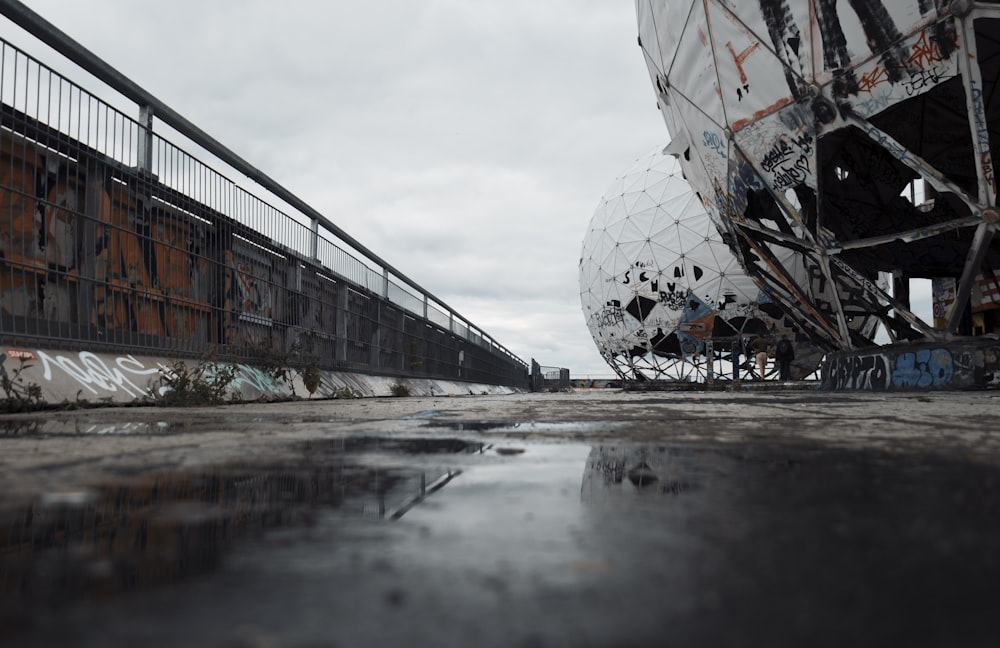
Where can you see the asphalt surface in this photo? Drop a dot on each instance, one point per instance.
(591, 518)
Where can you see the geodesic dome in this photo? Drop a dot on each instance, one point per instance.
(659, 287)
(815, 126)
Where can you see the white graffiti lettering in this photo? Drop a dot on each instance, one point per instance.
(95, 375)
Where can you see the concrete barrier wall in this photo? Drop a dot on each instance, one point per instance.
(969, 363)
(56, 376)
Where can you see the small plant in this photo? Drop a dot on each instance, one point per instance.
(282, 366)
(206, 384)
(400, 389)
(346, 392)
(311, 376)
(275, 363)
(18, 395)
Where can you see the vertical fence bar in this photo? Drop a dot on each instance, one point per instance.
(145, 156)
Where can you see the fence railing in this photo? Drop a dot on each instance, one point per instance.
(548, 378)
(113, 237)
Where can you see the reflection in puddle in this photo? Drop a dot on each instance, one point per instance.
(163, 526)
(530, 427)
(619, 470)
(561, 544)
(426, 414)
(394, 445)
(474, 426)
(56, 427)
(19, 427)
(128, 428)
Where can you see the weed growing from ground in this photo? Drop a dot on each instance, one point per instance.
(19, 396)
(282, 365)
(206, 384)
(346, 392)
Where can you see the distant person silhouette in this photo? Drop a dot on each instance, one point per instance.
(784, 353)
(759, 347)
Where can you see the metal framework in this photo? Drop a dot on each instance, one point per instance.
(805, 127)
(114, 238)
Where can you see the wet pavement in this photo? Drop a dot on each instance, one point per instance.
(593, 518)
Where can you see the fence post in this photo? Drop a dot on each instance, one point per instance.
(314, 240)
(145, 152)
(342, 315)
(374, 347)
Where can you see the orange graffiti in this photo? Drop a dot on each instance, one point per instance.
(869, 80)
(182, 276)
(23, 260)
(127, 299)
(742, 56)
(925, 52)
(781, 103)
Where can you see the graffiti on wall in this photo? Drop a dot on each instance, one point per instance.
(81, 244)
(66, 222)
(930, 368)
(124, 377)
(249, 306)
(924, 368)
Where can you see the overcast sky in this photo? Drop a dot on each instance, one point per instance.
(467, 143)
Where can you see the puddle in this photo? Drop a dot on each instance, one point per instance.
(442, 541)
(425, 414)
(145, 530)
(141, 531)
(566, 428)
(406, 445)
(55, 427)
(473, 426)
(622, 470)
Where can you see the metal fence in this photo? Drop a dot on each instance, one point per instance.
(114, 238)
(549, 378)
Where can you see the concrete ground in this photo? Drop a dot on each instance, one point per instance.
(589, 518)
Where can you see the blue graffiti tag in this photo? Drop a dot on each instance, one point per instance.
(924, 368)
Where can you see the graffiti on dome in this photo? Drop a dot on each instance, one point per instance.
(800, 126)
